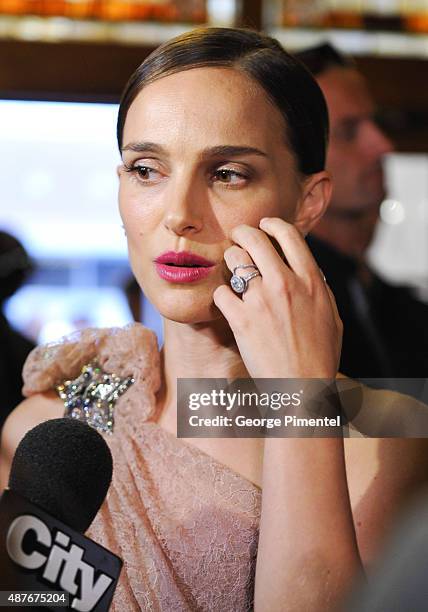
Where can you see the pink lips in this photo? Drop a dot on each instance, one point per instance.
(182, 267)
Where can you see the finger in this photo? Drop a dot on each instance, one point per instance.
(229, 304)
(236, 260)
(296, 251)
(334, 306)
(236, 256)
(260, 249)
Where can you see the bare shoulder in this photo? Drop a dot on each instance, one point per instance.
(29, 413)
(387, 464)
(395, 453)
(383, 476)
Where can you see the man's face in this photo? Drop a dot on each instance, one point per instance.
(357, 145)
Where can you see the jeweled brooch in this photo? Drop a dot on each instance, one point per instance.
(92, 396)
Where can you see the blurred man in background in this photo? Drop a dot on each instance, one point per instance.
(15, 265)
(385, 327)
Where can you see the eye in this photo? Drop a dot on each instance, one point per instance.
(145, 174)
(348, 131)
(230, 177)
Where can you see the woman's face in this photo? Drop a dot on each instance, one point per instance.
(203, 151)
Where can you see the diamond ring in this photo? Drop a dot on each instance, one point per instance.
(239, 284)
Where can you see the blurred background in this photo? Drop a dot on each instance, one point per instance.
(63, 64)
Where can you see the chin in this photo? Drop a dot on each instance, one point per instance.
(186, 307)
(376, 192)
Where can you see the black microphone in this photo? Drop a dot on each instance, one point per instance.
(59, 478)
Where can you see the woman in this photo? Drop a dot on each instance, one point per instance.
(223, 138)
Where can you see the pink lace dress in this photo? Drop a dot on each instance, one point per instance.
(185, 525)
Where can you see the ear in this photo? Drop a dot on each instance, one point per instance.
(315, 198)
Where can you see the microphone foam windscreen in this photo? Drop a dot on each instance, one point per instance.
(64, 467)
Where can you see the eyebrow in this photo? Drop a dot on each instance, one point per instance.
(350, 120)
(217, 151)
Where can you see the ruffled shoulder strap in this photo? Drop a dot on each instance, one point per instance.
(128, 353)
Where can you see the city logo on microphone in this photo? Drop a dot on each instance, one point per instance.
(32, 545)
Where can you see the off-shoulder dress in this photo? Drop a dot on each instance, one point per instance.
(185, 525)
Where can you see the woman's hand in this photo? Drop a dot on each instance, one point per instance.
(287, 323)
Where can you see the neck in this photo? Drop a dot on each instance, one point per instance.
(350, 234)
(210, 352)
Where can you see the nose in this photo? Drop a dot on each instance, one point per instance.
(378, 142)
(184, 206)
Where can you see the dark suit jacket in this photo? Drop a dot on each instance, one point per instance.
(385, 327)
(14, 349)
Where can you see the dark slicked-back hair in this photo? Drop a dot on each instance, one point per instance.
(321, 58)
(287, 83)
(15, 265)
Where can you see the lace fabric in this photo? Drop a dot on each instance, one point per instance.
(185, 525)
